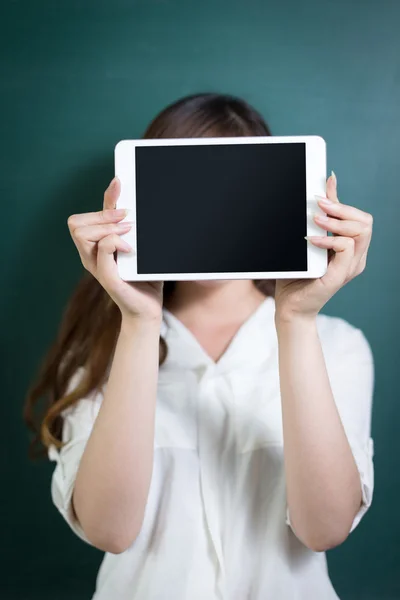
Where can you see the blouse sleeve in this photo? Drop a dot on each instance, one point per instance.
(77, 426)
(350, 369)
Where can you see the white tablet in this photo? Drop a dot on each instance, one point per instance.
(221, 208)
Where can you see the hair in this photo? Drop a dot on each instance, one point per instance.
(91, 321)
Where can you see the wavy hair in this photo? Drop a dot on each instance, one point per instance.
(91, 321)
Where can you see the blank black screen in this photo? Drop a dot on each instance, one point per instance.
(221, 208)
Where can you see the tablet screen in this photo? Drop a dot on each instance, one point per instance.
(224, 208)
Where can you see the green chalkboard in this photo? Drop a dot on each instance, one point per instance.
(79, 75)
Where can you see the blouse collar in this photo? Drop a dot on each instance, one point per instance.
(250, 346)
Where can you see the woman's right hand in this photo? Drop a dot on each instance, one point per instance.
(97, 237)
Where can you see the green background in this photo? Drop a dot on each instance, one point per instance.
(79, 75)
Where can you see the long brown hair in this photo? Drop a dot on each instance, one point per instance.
(91, 321)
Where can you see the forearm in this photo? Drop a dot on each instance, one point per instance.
(114, 475)
(322, 480)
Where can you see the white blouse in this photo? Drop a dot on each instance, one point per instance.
(216, 524)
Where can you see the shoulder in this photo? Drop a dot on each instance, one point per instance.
(341, 338)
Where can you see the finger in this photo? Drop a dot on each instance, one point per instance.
(85, 242)
(111, 194)
(343, 211)
(338, 244)
(340, 265)
(351, 229)
(331, 188)
(339, 227)
(94, 233)
(106, 266)
(95, 218)
(360, 230)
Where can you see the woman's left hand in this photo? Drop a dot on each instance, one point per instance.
(347, 256)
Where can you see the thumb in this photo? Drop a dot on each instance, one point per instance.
(111, 194)
(331, 188)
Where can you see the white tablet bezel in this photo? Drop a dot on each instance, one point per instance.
(315, 185)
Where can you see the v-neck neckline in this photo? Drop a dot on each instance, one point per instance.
(171, 319)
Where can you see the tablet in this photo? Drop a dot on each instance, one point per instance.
(221, 208)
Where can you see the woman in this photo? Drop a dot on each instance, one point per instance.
(213, 438)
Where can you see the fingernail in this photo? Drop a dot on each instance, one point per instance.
(321, 217)
(113, 183)
(125, 224)
(127, 246)
(334, 177)
(120, 212)
(323, 200)
(310, 238)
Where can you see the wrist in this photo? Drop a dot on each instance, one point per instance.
(293, 320)
(141, 322)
